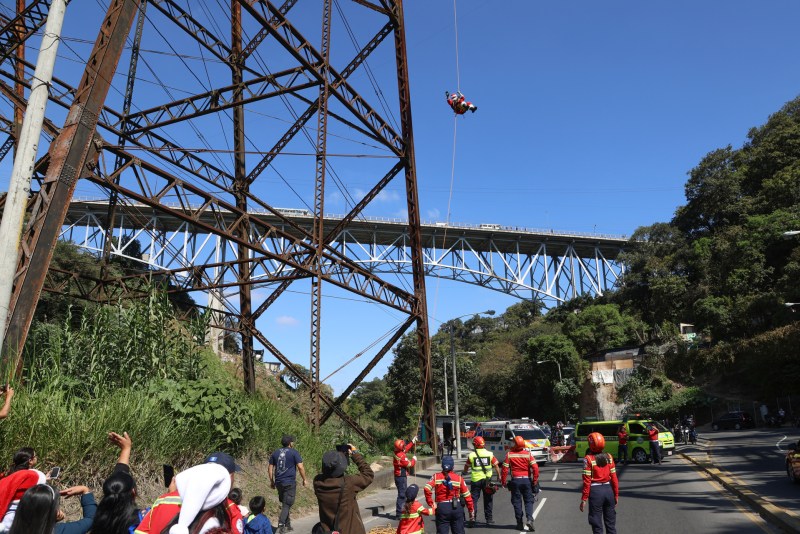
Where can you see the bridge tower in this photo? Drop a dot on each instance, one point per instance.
(197, 112)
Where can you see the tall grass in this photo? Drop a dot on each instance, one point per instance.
(135, 368)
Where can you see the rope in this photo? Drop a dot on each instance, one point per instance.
(449, 200)
(455, 24)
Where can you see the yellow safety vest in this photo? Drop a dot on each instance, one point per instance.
(480, 465)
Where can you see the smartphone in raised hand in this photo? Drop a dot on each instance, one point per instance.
(169, 474)
(54, 473)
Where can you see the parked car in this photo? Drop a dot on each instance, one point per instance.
(793, 462)
(735, 420)
(568, 431)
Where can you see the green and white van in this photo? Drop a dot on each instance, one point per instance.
(638, 438)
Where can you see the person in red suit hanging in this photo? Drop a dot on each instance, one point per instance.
(459, 103)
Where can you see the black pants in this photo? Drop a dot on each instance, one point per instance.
(622, 455)
(655, 452)
(476, 489)
(402, 484)
(449, 519)
(286, 493)
(522, 492)
(602, 509)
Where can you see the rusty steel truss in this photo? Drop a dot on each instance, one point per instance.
(139, 146)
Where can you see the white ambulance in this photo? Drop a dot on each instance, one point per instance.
(499, 437)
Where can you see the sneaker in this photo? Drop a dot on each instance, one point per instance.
(489, 521)
(530, 526)
(288, 528)
(470, 524)
(281, 530)
(519, 525)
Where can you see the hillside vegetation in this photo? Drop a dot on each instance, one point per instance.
(721, 263)
(134, 367)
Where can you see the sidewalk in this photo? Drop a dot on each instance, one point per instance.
(377, 503)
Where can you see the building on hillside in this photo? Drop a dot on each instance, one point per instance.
(610, 369)
(688, 332)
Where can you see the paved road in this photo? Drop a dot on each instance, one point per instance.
(670, 498)
(755, 458)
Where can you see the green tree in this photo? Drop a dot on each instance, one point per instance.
(600, 326)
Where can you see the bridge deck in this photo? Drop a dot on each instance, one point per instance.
(382, 231)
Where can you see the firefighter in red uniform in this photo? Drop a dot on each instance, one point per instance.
(411, 518)
(401, 465)
(600, 486)
(622, 435)
(459, 104)
(655, 452)
(524, 478)
(444, 492)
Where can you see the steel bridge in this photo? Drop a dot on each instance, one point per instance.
(193, 119)
(545, 265)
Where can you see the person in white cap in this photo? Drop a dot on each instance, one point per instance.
(197, 501)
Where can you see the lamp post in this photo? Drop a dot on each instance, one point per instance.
(446, 406)
(559, 378)
(457, 420)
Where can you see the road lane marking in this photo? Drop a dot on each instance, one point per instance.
(555, 475)
(778, 445)
(538, 508)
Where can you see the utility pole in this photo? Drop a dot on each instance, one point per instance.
(25, 159)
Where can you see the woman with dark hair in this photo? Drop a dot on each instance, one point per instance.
(117, 511)
(37, 511)
(25, 458)
(21, 476)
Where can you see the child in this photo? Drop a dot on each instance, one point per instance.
(257, 522)
(411, 518)
(236, 496)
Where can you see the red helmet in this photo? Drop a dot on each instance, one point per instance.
(479, 442)
(399, 445)
(596, 442)
(519, 442)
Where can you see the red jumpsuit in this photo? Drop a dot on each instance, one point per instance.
(411, 519)
(524, 477)
(448, 516)
(401, 464)
(601, 489)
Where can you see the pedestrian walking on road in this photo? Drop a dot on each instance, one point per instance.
(524, 478)
(479, 465)
(445, 492)
(402, 464)
(336, 492)
(655, 451)
(284, 464)
(600, 486)
(622, 435)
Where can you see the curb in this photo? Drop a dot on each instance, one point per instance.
(771, 513)
(384, 478)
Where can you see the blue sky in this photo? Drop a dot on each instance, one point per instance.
(590, 115)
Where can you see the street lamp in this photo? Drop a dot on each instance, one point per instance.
(559, 378)
(457, 419)
(446, 406)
